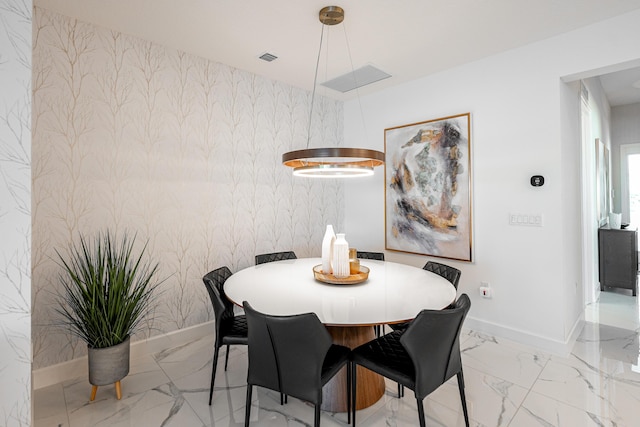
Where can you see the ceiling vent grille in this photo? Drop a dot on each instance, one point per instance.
(268, 57)
(358, 78)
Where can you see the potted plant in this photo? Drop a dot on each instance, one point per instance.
(107, 291)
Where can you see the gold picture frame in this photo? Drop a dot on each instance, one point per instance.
(428, 188)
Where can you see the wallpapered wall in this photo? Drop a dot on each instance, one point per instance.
(15, 212)
(183, 151)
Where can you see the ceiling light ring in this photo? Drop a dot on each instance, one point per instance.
(311, 156)
(333, 171)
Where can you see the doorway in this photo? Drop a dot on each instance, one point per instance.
(630, 183)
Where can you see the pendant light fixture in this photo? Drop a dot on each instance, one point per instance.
(331, 162)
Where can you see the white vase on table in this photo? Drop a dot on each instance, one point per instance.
(340, 262)
(327, 249)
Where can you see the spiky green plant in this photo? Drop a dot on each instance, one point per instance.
(107, 290)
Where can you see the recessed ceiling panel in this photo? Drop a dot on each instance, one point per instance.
(358, 78)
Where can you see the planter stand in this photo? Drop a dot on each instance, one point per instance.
(108, 366)
(94, 390)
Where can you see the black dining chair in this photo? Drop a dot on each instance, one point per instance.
(422, 358)
(293, 355)
(231, 329)
(377, 256)
(272, 257)
(452, 274)
(275, 256)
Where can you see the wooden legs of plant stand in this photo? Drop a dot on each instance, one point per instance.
(94, 390)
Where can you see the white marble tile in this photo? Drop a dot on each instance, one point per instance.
(608, 347)
(50, 407)
(404, 413)
(52, 421)
(491, 401)
(615, 307)
(267, 411)
(144, 374)
(229, 392)
(504, 359)
(199, 354)
(161, 406)
(590, 390)
(542, 411)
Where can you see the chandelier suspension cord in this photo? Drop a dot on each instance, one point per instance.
(315, 80)
(353, 73)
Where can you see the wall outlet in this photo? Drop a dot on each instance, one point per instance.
(485, 292)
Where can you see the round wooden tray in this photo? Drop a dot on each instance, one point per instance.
(353, 279)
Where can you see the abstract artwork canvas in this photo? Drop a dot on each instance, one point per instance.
(428, 188)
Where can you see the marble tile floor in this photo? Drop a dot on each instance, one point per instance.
(507, 384)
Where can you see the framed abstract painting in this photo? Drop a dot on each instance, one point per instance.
(428, 188)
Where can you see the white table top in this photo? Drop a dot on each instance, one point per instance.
(393, 292)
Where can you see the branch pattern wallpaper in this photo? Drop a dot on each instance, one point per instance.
(15, 212)
(182, 151)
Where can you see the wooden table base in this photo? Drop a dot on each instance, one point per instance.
(370, 385)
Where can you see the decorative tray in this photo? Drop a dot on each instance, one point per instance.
(353, 279)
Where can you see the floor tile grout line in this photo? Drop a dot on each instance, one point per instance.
(171, 380)
(529, 391)
(66, 406)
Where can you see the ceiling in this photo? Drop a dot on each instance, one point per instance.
(407, 39)
(619, 86)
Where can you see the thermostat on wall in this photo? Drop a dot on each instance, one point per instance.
(537, 180)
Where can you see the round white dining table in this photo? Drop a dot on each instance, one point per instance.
(393, 293)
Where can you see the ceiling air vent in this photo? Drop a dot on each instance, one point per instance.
(358, 78)
(268, 57)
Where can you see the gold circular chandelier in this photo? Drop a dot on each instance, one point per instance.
(331, 162)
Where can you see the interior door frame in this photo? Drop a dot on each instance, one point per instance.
(590, 224)
(626, 150)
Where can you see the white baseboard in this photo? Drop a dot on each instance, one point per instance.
(561, 348)
(575, 330)
(69, 370)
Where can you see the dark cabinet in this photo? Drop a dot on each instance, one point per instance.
(618, 258)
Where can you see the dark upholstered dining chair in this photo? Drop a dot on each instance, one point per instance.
(275, 256)
(422, 358)
(378, 256)
(293, 355)
(452, 274)
(230, 329)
